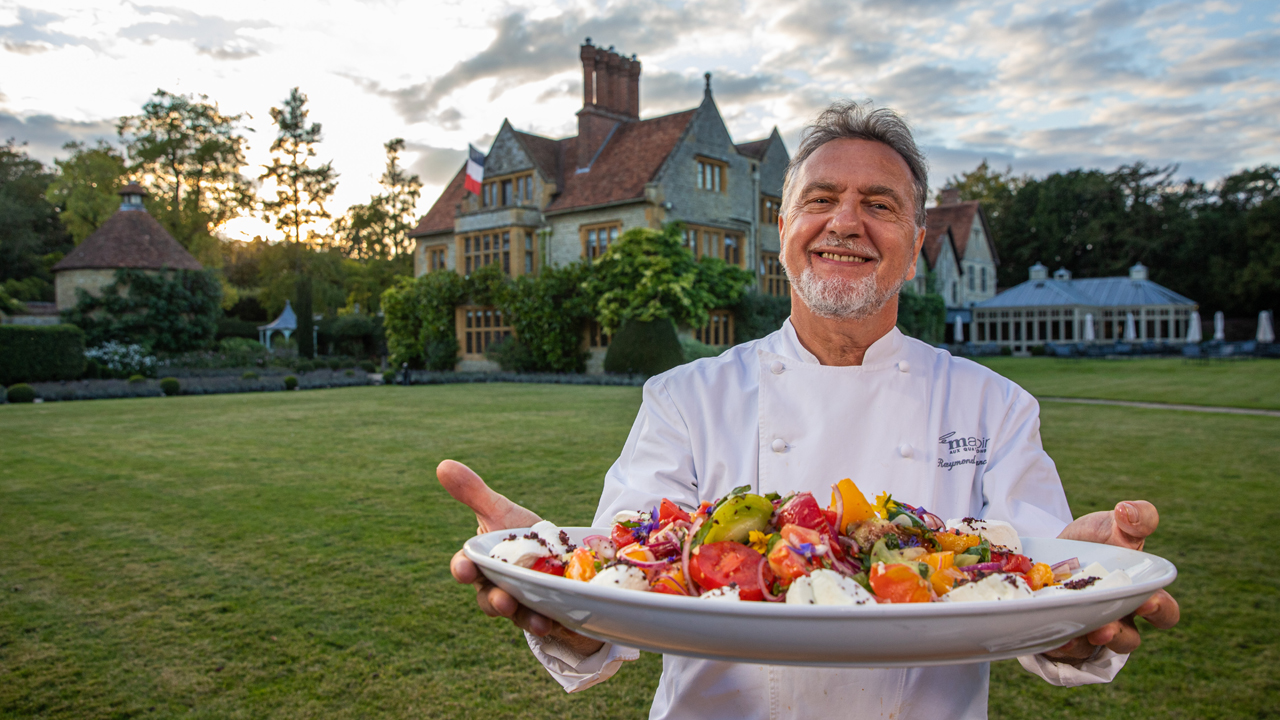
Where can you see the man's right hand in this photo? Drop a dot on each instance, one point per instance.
(495, 512)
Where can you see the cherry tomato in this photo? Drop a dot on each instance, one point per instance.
(548, 565)
(956, 542)
(898, 583)
(622, 536)
(787, 564)
(1040, 575)
(1013, 563)
(669, 511)
(717, 564)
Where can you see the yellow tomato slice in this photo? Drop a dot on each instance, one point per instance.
(856, 507)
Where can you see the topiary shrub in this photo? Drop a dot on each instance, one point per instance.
(335, 364)
(40, 353)
(135, 379)
(290, 382)
(22, 393)
(644, 348)
(694, 350)
(306, 366)
(368, 366)
(350, 373)
(249, 375)
(389, 377)
(170, 386)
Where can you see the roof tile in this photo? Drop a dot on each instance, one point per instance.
(129, 239)
(440, 217)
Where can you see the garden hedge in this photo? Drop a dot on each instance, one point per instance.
(644, 348)
(40, 353)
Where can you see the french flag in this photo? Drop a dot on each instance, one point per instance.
(475, 169)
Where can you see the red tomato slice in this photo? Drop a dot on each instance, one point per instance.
(720, 563)
(548, 565)
(669, 511)
(622, 536)
(787, 564)
(1017, 564)
(804, 511)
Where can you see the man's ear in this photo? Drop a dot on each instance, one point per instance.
(915, 255)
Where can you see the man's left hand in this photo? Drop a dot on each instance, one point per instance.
(1127, 526)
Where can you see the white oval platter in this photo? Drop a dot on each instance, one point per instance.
(863, 636)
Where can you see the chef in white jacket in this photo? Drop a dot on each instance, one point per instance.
(837, 392)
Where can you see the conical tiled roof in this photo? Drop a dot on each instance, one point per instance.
(129, 239)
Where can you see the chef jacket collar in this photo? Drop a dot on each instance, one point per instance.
(883, 352)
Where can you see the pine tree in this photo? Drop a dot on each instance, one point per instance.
(300, 190)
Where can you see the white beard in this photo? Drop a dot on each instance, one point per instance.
(839, 299)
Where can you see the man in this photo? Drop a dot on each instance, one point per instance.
(837, 392)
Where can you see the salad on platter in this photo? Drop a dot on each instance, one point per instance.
(748, 547)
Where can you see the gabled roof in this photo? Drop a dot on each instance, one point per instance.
(439, 219)
(1100, 292)
(129, 239)
(934, 237)
(960, 218)
(544, 152)
(754, 149)
(629, 160)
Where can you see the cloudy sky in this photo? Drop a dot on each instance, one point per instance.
(1038, 86)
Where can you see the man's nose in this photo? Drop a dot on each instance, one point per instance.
(847, 220)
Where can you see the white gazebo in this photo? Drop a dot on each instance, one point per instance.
(286, 323)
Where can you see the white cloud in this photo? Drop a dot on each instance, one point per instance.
(1085, 83)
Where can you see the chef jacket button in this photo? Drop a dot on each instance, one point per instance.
(779, 445)
(777, 367)
(904, 366)
(904, 450)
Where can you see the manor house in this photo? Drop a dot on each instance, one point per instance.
(551, 202)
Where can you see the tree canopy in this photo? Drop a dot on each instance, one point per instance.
(301, 190)
(87, 187)
(191, 156)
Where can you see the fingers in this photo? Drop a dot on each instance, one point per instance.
(493, 510)
(1120, 636)
(463, 570)
(1160, 610)
(1136, 519)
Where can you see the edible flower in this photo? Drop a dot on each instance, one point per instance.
(759, 541)
(884, 503)
(805, 549)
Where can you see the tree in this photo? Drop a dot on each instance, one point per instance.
(995, 190)
(87, 187)
(381, 227)
(650, 275)
(191, 155)
(300, 190)
(32, 237)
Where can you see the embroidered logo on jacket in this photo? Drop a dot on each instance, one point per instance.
(974, 447)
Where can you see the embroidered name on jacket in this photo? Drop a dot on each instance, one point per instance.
(962, 450)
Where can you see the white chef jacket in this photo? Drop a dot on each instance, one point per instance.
(934, 430)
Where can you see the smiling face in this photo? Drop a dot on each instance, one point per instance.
(849, 240)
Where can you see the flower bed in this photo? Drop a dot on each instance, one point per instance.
(206, 385)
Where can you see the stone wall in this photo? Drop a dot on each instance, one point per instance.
(66, 282)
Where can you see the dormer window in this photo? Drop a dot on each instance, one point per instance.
(712, 175)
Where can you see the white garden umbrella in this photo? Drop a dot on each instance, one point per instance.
(1130, 327)
(1088, 327)
(960, 330)
(1219, 326)
(1266, 334)
(1193, 328)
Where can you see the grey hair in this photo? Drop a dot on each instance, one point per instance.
(849, 120)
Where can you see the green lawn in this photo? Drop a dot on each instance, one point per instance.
(285, 555)
(1233, 383)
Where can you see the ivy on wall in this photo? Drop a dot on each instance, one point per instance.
(166, 311)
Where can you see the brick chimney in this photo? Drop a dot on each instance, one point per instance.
(949, 196)
(610, 95)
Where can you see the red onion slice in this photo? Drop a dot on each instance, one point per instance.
(764, 586)
(1065, 569)
(933, 522)
(839, 502)
(601, 546)
(694, 590)
(983, 567)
